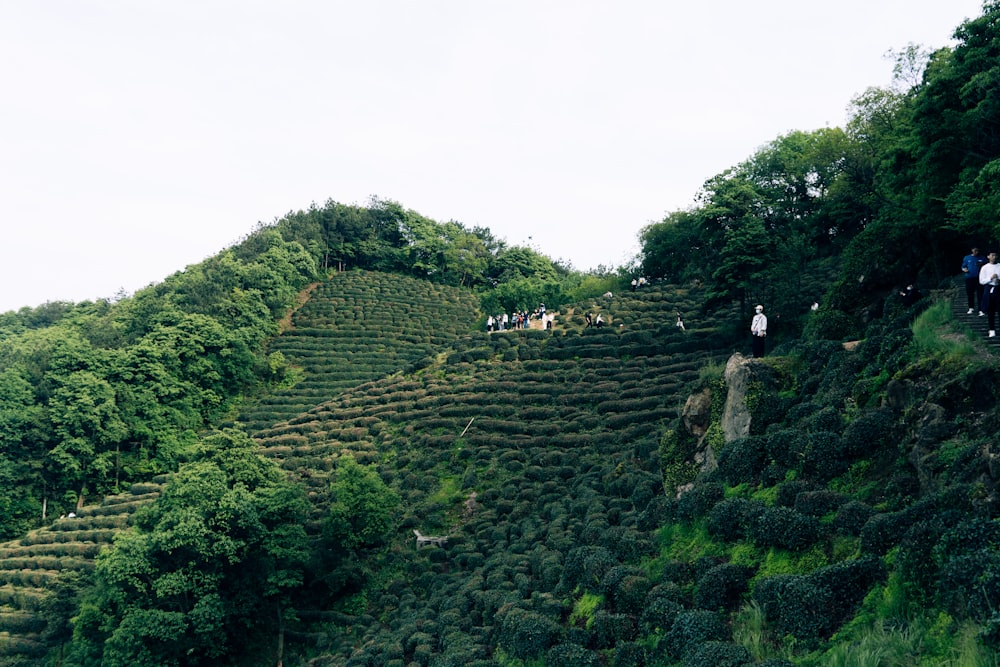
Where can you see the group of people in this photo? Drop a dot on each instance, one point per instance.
(594, 321)
(519, 319)
(516, 320)
(982, 284)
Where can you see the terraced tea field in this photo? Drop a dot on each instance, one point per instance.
(31, 568)
(357, 327)
(521, 447)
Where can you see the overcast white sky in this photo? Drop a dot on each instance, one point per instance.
(140, 136)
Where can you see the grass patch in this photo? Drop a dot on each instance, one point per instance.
(937, 335)
(584, 609)
(681, 542)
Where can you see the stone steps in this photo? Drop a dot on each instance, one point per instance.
(979, 325)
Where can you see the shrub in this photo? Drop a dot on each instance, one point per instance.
(830, 324)
(630, 654)
(741, 460)
(586, 567)
(728, 519)
(789, 491)
(819, 503)
(607, 629)
(801, 412)
(782, 527)
(851, 517)
(813, 606)
(626, 544)
(718, 654)
(525, 634)
(969, 583)
(692, 628)
(722, 587)
(696, 502)
(655, 514)
(793, 605)
(659, 615)
(782, 447)
(823, 457)
(571, 655)
(848, 582)
(870, 432)
(625, 588)
(826, 419)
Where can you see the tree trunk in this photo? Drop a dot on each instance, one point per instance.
(281, 634)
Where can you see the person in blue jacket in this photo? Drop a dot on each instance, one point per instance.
(971, 264)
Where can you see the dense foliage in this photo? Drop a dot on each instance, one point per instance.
(896, 197)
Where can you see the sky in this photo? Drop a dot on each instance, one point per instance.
(140, 137)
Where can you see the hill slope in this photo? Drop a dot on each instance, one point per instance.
(360, 326)
(522, 448)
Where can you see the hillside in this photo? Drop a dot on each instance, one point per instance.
(519, 447)
(551, 462)
(568, 408)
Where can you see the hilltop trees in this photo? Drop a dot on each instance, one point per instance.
(897, 196)
(761, 226)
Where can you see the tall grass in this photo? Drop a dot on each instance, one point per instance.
(937, 334)
(923, 642)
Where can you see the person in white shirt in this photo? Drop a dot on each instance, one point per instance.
(989, 278)
(758, 328)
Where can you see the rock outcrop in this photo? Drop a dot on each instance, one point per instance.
(736, 414)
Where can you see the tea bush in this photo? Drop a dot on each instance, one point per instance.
(571, 655)
(793, 605)
(782, 527)
(819, 503)
(741, 460)
(692, 628)
(969, 558)
(851, 518)
(658, 615)
(824, 456)
(813, 606)
(630, 654)
(788, 492)
(607, 629)
(585, 567)
(722, 587)
(698, 501)
(525, 634)
(718, 654)
(871, 431)
(728, 520)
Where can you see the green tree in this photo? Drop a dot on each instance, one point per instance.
(88, 429)
(672, 249)
(207, 573)
(361, 514)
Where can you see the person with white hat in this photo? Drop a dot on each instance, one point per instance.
(758, 328)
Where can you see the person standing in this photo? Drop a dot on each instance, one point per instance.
(989, 278)
(971, 265)
(758, 329)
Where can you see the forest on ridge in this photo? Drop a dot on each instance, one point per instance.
(232, 466)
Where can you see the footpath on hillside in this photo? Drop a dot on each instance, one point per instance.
(978, 323)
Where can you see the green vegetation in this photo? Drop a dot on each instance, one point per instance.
(242, 456)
